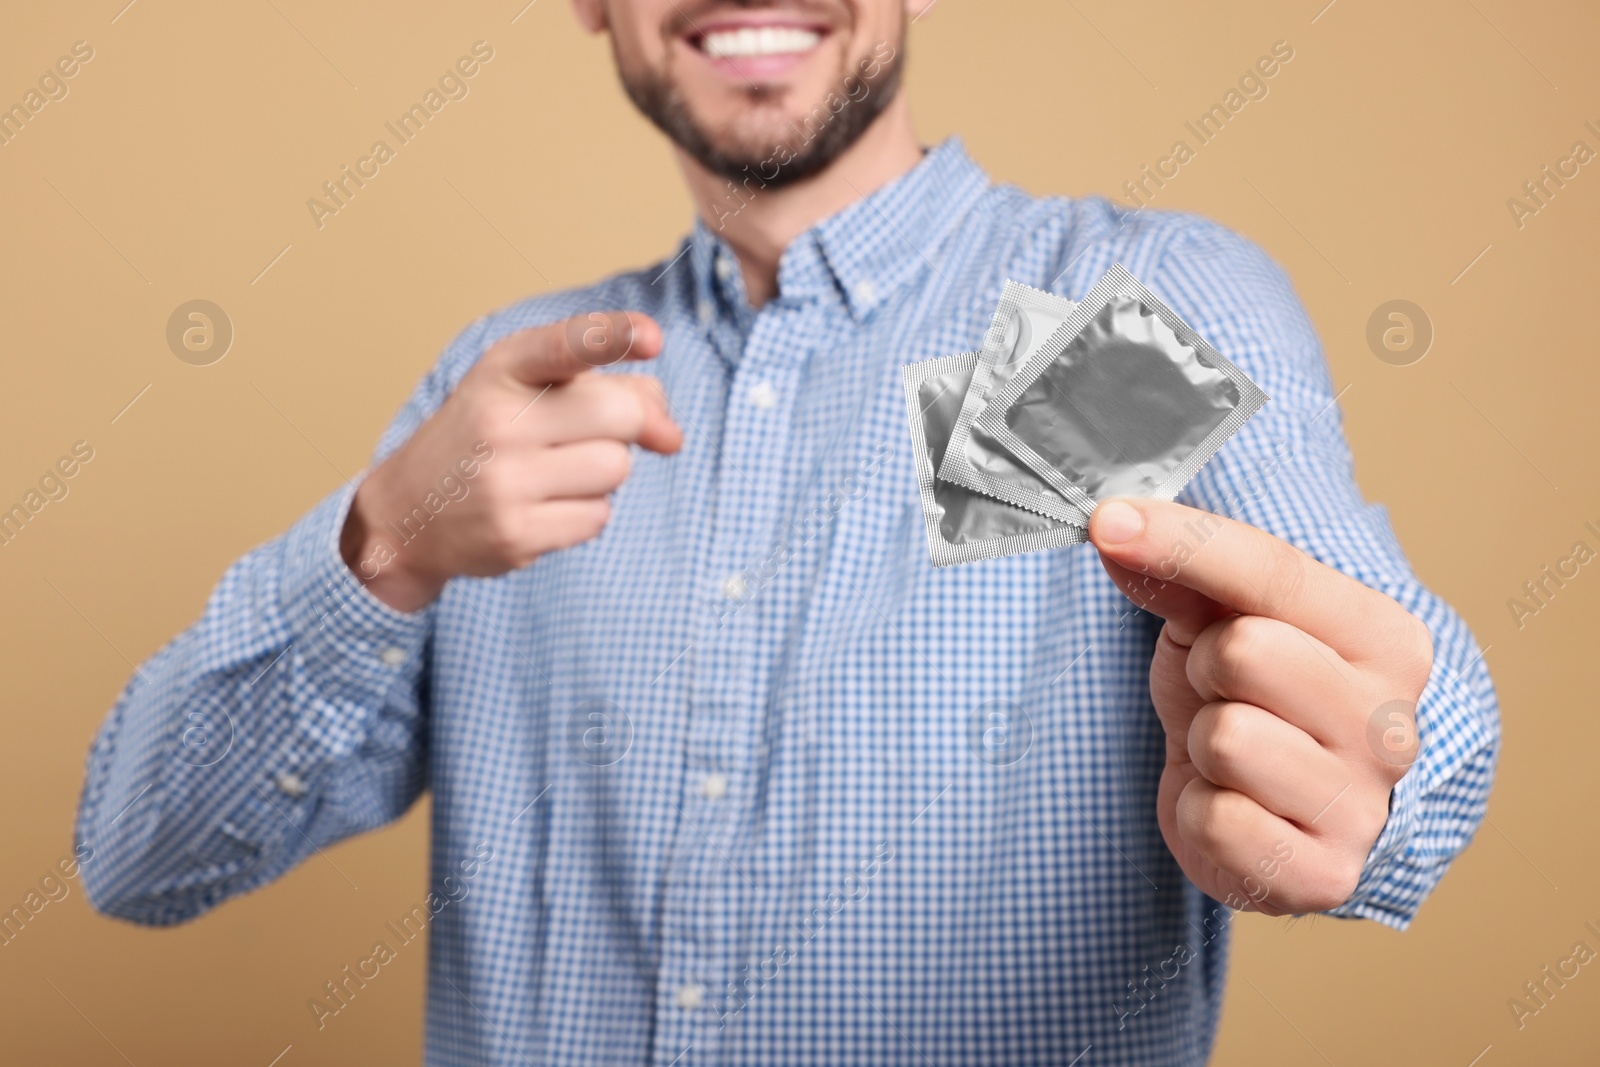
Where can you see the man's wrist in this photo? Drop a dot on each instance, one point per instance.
(386, 571)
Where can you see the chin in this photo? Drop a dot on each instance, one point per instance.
(751, 137)
(745, 91)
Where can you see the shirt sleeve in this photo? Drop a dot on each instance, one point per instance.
(1289, 471)
(289, 716)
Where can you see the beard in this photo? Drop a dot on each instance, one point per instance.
(810, 145)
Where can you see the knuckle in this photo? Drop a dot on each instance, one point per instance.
(1221, 818)
(1403, 653)
(1401, 748)
(1211, 816)
(1224, 740)
(1238, 649)
(1392, 745)
(1417, 640)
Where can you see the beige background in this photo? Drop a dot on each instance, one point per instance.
(178, 168)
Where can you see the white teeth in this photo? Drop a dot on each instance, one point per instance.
(759, 41)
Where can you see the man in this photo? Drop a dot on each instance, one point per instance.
(722, 770)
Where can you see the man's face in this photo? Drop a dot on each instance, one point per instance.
(780, 87)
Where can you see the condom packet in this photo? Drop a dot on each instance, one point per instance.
(964, 526)
(1023, 321)
(1125, 399)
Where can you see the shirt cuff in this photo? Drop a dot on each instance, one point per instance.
(1399, 874)
(352, 647)
(1385, 892)
(347, 655)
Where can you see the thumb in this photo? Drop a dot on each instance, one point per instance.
(1150, 578)
(549, 355)
(1186, 611)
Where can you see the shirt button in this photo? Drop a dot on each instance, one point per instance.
(392, 657)
(714, 786)
(763, 395)
(690, 996)
(706, 312)
(724, 268)
(734, 586)
(865, 291)
(290, 784)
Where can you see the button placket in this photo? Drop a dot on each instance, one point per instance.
(725, 682)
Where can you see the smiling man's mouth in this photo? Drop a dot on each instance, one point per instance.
(747, 41)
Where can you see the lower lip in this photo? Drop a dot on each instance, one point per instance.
(756, 68)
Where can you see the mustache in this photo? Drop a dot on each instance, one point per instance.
(688, 14)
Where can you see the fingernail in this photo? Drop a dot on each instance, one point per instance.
(1116, 522)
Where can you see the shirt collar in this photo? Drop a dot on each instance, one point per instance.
(862, 254)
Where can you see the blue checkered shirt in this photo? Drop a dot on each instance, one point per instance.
(745, 779)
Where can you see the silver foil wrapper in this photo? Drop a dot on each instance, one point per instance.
(1023, 321)
(1125, 399)
(963, 525)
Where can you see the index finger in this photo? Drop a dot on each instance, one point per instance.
(560, 351)
(1236, 568)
